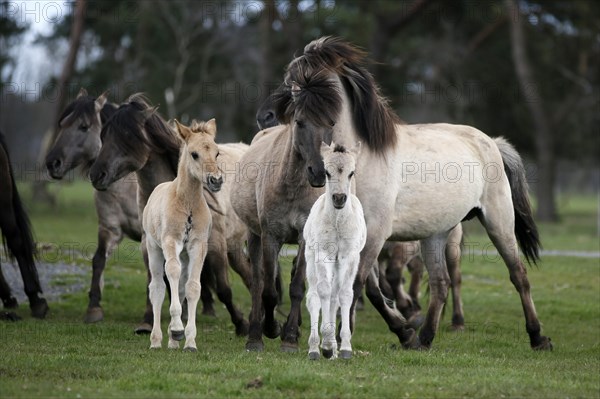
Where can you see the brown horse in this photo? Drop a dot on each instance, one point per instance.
(18, 240)
(136, 139)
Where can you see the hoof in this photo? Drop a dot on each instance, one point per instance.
(177, 335)
(206, 311)
(289, 347)
(413, 342)
(143, 328)
(255, 346)
(457, 327)
(544, 345)
(154, 348)
(415, 321)
(9, 316)
(313, 355)
(190, 349)
(241, 329)
(94, 315)
(10, 303)
(39, 308)
(273, 331)
(327, 353)
(345, 354)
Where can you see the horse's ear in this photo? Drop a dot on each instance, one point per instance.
(148, 112)
(100, 101)
(182, 130)
(82, 92)
(211, 127)
(357, 148)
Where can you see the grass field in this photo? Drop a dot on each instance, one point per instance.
(62, 357)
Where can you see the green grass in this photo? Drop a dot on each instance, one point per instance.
(62, 357)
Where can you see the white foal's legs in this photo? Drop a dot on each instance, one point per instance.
(172, 250)
(156, 291)
(346, 294)
(313, 304)
(197, 254)
(324, 288)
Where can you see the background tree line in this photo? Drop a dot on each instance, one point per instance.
(527, 70)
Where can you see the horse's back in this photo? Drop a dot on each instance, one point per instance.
(442, 172)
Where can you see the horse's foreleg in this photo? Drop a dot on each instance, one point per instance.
(270, 253)
(255, 342)
(313, 304)
(291, 330)
(433, 250)
(156, 291)
(197, 255)
(217, 258)
(171, 250)
(367, 274)
(239, 262)
(325, 289)
(107, 240)
(8, 300)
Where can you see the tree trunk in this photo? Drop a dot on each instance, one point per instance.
(544, 143)
(40, 189)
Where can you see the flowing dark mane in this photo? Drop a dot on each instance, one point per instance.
(125, 127)
(84, 107)
(318, 97)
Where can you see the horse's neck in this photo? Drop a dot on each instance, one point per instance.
(292, 173)
(157, 170)
(188, 189)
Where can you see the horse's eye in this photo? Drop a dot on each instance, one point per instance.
(350, 175)
(83, 128)
(328, 175)
(299, 123)
(194, 155)
(218, 153)
(332, 123)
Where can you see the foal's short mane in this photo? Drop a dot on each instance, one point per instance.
(127, 123)
(319, 97)
(85, 107)
(339, 148)
(198, 126)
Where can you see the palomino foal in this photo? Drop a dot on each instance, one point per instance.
(335, 233)
(177, 222)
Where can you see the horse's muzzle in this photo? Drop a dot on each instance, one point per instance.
(339, 200)
(55, 168)
(316, 179)
(214, 183)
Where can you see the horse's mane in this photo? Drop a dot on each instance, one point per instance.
(198, 126)
(339, 148)
(84, 107)
(319, 98)
(127, 122)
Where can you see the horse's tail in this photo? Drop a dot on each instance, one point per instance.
(27, 248)
(525, 228)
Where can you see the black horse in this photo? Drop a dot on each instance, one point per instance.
(18, 241)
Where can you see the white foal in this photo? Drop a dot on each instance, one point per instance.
(177, 223)
(335, 233)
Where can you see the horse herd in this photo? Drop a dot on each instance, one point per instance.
(333, 169)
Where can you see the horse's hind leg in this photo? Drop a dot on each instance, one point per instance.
(207, 282)
(107, 241)
(499, 223)
(291, 330)
(217, 259)
(433, 251)
(453, 254)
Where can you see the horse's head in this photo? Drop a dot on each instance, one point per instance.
(125, 147)
(340, 164)
(78, 141)
(266, 116)
(310, 104)
(199, 153)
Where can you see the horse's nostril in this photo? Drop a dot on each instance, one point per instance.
(56, 163)
(215, 180)
(270, 116)
(310, 170)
